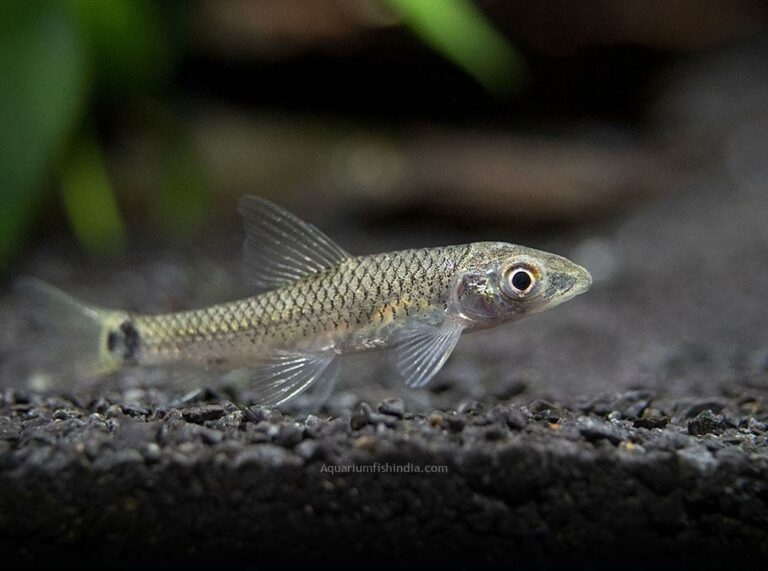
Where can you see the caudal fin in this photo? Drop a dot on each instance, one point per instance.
(71, 340)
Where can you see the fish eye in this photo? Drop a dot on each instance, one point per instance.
(519, 281)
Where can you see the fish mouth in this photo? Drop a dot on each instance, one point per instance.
(582, 281)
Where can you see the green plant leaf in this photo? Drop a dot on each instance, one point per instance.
(43, 87)
(89, 199)
(458, 30)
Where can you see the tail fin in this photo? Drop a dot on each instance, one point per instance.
(72, 339)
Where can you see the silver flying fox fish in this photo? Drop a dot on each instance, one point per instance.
(313, 302)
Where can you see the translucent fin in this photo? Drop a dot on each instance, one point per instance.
(319, 393)
(71, 338)
(281, 248)
(424, 349)
(285, 376)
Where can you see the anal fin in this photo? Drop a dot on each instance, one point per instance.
(285, 376)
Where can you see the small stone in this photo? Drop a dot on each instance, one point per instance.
(134, 410)
(392, 407)
(66, 414)
(707, 422)
(16, 396)
(593, 431)
(756, 427)
(255, 414)
(365, 442)
(289, 435)
(263, 455)
(152, 452)
(114, 411)
(471, 407)
(210, 435)
(651, 422)
(100, 405)
(545, 410)
(435, 419)
(630, 404)
(361, 417)
(307, 449)
(200, 414)
(515, 419)
(539, 405)
(7, 430)
(229, 421)
(493, 433)
(455, 422)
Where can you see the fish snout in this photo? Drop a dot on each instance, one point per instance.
(570, 279)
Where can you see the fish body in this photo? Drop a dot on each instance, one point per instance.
(315, 302)
(360, 304)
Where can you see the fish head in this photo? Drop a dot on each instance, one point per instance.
(499, 282)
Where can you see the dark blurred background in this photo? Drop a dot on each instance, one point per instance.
(629, 135)
(128, 119)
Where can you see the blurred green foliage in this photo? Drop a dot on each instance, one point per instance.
(59, 61)
(88, 198)
(460, 31)
(127, 49)
(43, 78)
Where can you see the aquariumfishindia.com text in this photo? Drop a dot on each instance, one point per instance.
(384, 468)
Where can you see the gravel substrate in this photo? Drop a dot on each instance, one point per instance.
(619, 474)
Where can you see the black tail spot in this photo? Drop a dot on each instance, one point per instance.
(112, 341)
(132, 340)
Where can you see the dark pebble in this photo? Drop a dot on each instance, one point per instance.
(258, 413)
(392, 407)
(470, 407)
(66, 414)
(651, 422)
(515, 419)
(15, 396)
(25, 407)
(200, 414)
(361, 416)
(455, 422)
(545, 410)
(493, 433)
(365, 415)
(99, 405)
(307, 449)
(7, 429)
(134, 410)
(706, 422)
(289, 435)
(594, 430)
(630, 404)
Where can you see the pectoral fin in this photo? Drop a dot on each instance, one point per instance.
(424, 349)
(285, 376)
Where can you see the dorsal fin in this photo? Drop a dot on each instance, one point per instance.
(280, 248)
